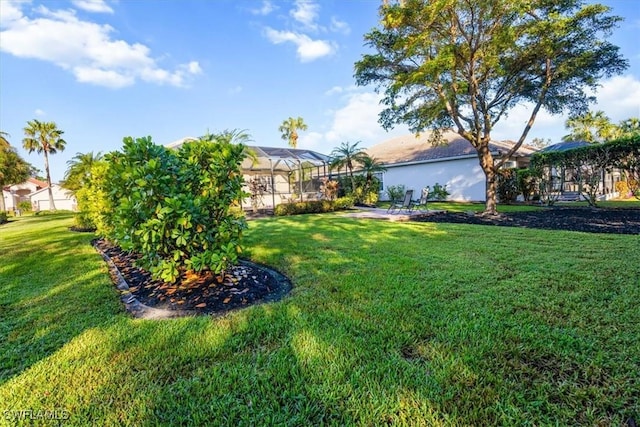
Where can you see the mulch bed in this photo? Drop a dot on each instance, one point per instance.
(589, 220)
(243, 285)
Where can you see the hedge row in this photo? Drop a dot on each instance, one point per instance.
(313, 206)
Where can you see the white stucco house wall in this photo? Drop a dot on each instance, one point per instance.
(16, 193)
(416, 163)
(62, 199)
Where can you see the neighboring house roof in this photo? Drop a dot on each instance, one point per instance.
(34, 182)
(37, 182)
(56, 189)
(409, 149)
(564, 146)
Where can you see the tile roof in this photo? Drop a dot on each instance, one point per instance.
(409, 149)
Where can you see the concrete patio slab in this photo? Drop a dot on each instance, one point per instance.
(379, 213)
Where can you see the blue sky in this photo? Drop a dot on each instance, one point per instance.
(106, 69)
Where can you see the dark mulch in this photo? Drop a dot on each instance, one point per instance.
(243, 285)
(589, 220)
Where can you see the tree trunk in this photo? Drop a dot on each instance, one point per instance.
(486, 163)
(52, 206)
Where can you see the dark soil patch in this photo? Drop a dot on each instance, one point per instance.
(589, 220)
(242, 285)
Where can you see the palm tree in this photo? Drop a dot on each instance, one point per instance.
(346, 155)
(44, 137)
(234, 136)
(78, 171)
(590, 127)
(289, 129)
(4, 143)
(370, 166)
(630, 127)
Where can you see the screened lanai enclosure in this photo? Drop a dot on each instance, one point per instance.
(275, 175)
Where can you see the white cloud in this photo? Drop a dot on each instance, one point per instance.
(99, 77)
(266, 8)
(38, 112)
(356, 120)
(618, 97)
(338, 26)
(306, 13)
(193, 67)
(10, 12)
(86, 49)
(97, 6)
(334, 90)
(307, 48)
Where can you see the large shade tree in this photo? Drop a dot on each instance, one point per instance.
(465, 64)
(289, 130)
(44, 137)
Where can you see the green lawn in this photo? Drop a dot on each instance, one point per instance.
(388, 323)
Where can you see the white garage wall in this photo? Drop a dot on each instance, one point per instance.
(463, 177)
(61, 198)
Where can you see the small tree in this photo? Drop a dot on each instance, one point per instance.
(347, 155)
(328, 188)
(256, 191)
(371, 166)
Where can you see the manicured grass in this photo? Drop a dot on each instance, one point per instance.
(388, 323)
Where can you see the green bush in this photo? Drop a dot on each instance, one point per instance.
(175, 208)
(343, 203)
(83, 222)
(507, 185)
(24, 206)
(622, 188)
(3, 217)
(438, 192)
(366, 190)
(527, 183)
(313, 206)
(396, 192)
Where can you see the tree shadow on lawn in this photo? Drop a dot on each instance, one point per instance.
(274, 364)
(48, 300)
